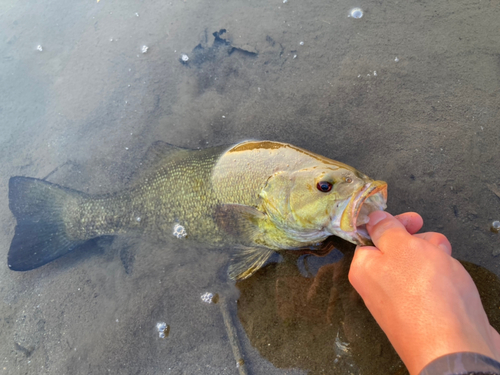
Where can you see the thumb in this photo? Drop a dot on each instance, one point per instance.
(384, 228)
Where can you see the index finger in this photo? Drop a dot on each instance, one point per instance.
(412, 221)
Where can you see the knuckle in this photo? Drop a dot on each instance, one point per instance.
(438, 238)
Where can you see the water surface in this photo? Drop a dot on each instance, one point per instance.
(409, 93)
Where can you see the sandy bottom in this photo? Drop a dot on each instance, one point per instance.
(409, 94)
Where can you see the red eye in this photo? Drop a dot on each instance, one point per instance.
(324, 186)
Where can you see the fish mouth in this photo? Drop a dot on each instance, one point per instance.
(371, 197)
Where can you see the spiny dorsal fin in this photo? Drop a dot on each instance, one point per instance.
(158, 152)
(156, 155)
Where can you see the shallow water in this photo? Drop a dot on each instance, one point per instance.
(409, 93)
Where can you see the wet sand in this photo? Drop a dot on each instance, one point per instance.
(409, 93)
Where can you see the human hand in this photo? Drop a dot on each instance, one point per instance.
(423, 299)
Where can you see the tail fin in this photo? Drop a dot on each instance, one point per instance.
(40, 235)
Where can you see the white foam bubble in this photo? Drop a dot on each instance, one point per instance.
(356, 13)
(179, 231)
(207, 297)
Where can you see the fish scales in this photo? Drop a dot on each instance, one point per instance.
(177, 193)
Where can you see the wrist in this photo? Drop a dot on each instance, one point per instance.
(424, 342)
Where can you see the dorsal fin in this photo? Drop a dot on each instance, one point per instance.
(158, 152)
(156, 155)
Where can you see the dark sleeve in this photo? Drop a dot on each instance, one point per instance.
(462, 364)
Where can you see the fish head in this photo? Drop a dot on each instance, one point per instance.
(323, 200)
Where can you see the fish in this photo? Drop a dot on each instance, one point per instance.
(254, 198)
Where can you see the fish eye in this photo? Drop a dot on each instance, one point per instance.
(348, 180)
(324, 186)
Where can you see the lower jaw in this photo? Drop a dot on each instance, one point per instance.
(358, 237)
(349, 230)
(363, 232)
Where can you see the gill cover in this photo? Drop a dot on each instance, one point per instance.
(293, 203)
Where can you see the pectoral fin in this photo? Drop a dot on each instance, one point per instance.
(247, 260)
(240, 221)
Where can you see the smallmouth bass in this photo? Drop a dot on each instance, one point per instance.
(256, 197)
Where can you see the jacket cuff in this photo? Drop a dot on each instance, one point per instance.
(465, 363)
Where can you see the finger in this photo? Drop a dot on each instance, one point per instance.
(383, 225)
(437, 239)
(360, 262)
(412, 221)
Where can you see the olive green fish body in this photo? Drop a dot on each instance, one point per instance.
(257, 196)
(179, 192)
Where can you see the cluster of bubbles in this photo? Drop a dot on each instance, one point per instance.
(210, 297)
(179, 231)
(163, 329)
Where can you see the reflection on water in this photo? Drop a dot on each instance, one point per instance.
(316, 323)
(320, 323)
